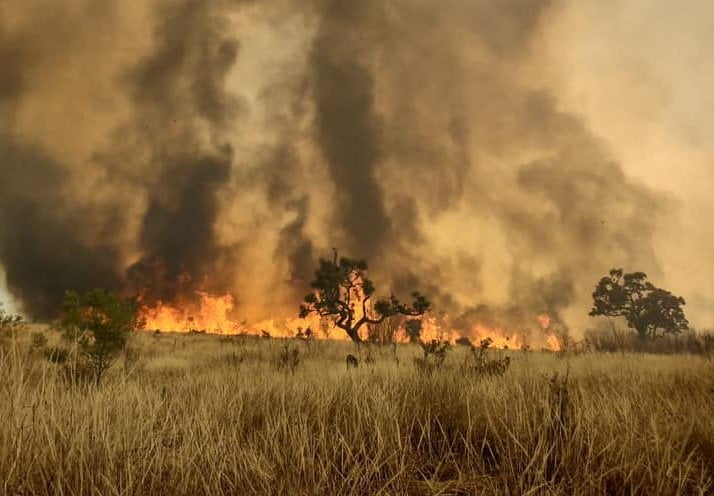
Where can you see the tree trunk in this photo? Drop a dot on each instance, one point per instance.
(354, 335)
(641, 332)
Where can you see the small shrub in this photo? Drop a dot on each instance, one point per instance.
(38, 342)
(351, 361)
(369, 358)
(307, 336)
(560, 399)
(56, 354)
(479, 363)
(289, 358)
(435, 352)
(98, 324)
(10, 325)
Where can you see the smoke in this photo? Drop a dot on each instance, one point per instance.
(347, 127)
(181, 113)
(224, 146)
(39, 241)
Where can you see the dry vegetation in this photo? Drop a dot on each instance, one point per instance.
(200, 415)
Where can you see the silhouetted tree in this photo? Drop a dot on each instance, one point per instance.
(343, 291)
(648, 309)
(99, 322)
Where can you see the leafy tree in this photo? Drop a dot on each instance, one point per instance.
(99, 323)
(648, 309)
(343, 291)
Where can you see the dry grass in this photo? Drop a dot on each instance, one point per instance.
(199, 415)
(622, 340)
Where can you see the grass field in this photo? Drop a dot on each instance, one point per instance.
(204, 415)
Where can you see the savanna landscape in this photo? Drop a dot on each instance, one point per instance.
(119, 410)
(319, 247)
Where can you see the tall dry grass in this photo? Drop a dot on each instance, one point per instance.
(200, 415)
(616, 339)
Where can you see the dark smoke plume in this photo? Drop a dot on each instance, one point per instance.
(175, 89)
(39, 242)
(347, 127)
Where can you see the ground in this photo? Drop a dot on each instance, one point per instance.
(208, 415)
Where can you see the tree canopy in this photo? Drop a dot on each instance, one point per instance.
(342, 290)
(648, 309)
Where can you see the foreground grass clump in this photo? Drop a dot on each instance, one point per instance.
(200, 415)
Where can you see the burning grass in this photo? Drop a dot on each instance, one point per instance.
(202, 414)
(214, 314)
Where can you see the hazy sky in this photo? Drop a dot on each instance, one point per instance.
(501, 155)
(641, 73)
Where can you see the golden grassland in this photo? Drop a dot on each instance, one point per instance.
(204, 415)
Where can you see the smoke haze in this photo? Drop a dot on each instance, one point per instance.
(500, 156)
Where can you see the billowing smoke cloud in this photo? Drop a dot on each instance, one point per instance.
(40, 242)
(178, 96)
(346, 125)
(225, 145)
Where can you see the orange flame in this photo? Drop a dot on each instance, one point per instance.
(501, 338)
(544, 320)
(213, 314)
(553, 343)
(210, 315)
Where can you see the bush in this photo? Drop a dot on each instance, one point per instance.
(98, 324)
(480, 364)
(289, 358)
(56, 354)
(38, 343)
(307, 336)
(10, 325)
(434, 355)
